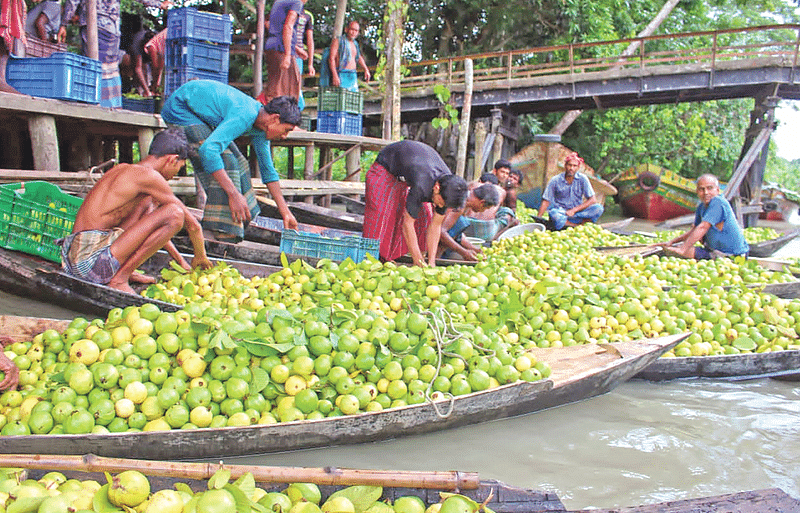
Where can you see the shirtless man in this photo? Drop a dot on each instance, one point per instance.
(343, 61)
(130, 214)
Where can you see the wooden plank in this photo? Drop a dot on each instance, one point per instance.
(755, 501)
(689, 218)
(752, 366)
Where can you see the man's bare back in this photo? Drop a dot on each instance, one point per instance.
(110, 203)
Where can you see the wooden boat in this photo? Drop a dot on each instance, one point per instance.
(651, 192)
(428, 486)
(736, 366)
(31, 276)
(498, 496)
(578, 372)
(779, 204)
(768, 247)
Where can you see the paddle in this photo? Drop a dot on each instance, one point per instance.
(444, 480)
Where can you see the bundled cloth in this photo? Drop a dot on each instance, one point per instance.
(12, 22)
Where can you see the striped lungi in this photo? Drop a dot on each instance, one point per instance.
(109, 55)
(280, 82)
(383, 213)
(217, 212)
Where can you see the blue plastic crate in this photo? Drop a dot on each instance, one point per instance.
(194, 24)
(368, 247)
(63, 76)
(147, 105)
(195, 54)
(339, 122)
(176, 77)
(318, 246)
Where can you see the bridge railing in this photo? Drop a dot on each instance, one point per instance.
(710, 50)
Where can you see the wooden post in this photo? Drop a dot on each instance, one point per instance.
(325, 155)
(44, 141)
(393, 33)
(480, 139)
(353, 167)
(93, 49)
(497, 148)
(258, 61)
(463, 130)
(145, 138)
(96, 149)
(290, 162)
(126, 151)
(308, 168)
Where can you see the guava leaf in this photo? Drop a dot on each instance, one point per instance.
(220, 478)
(247, 484)
(58, 377)
(183, 487)
(199, 327)
(786, 332)
(550, 289)
(284, 260)
(334, 337)
(100, 502)
(300, 338)
(243, 502)
(321, 314)
(279, 312)
(771, 315)
(25, 505)
(109, 478)
(362, 497)
(296, 265)
(340, 315)
(384, 285)
(259, 381)
(258, 348)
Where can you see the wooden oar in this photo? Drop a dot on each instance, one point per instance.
(633, 249)
(443, 480)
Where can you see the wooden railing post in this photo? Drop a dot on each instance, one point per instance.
(713, 60)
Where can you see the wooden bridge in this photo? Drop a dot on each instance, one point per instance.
(698, 66)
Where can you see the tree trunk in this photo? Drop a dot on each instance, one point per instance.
(93, 49)
(651, 27)
(463, 131)
(393, 33)
(338, 24)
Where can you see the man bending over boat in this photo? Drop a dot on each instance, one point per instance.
(131, 213)
(714, 224)
(569, 198)
(213, 115)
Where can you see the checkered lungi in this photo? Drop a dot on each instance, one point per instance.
(383, 213)
(217, 212)
(280, 82)
(109, 55)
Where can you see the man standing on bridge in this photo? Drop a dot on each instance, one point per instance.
(569, 198)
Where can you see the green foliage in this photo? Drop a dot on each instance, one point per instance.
(448, 115)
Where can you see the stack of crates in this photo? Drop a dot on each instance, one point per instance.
(198, 46)
(339, 111)
(62, 75)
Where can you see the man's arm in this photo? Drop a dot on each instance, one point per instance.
(289, 222)
(363, 64)
(8, 367)
(41, 26)
(583, 206)
(543, 207)
(690, 238)
(465, 249)
(333, 62)
(433, 236)
(310, 47)
(288, 35)
(70, 7)
(410, 236)
(139, 72)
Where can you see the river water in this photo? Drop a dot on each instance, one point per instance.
(642, 443)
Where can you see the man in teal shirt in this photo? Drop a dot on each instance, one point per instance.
(213, 115)
(714, 224)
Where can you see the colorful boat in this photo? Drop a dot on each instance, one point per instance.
(651, 192)
(779, 204)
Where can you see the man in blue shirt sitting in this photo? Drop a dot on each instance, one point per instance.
(569, 198)
(714, 224)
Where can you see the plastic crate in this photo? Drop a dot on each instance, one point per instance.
(344, 123)
(368, 247)
(147, 105)
(34, 215)
(340, 99)
(195, 54)
(318, 246)
(35, 47)
(194, 24)
(305, 123)
(63, 76)
(176, 77)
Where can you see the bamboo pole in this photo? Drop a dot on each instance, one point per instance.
(258, 60)
(444, 480)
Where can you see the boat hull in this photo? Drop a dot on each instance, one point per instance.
(579, 372)
(654, 193)
(738, 366)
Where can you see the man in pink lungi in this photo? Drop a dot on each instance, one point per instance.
(408, 190)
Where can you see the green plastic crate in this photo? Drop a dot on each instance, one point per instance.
(318, 246)
(33, 215)
(340, 99)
